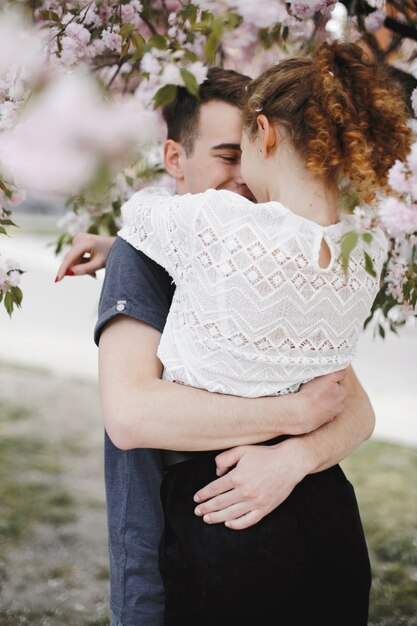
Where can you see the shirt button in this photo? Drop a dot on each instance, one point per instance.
(120, 305)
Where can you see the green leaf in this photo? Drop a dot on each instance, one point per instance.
(8, 302)
(157, 41)
(381, 331)
(164, 95)
(60, 243)
(368, 319)
(348, 243)
(138, 41)
(190, 82)
(3, 231)
(50, 16)
(126, 30)
(125, 49)
(6, 190)
(189, 12)
(190, 56)
(7, 223)
(210, 48)
(214, 40)
(369, 265)
(17, 295)
(367, 237)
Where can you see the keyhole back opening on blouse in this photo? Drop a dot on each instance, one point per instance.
(325, 255)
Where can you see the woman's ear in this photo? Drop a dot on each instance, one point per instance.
(267, 134)
(174, 156)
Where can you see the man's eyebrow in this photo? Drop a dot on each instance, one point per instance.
(227, 146)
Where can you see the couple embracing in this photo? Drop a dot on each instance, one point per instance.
(226, 330)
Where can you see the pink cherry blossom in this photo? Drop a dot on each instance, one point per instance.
(263, 13)
(151, 63)
(4, 282)
(414, 101)
(131, 12)
(308, 9)
(374, 21)
(75, 223)
(112, 40)
(11, 264)
(412, 158)
(397, 217)
(74, 44)
(10, 275)
(397, 178)
(14, 278)
(171, 75)
(199, 71)
(58, 144)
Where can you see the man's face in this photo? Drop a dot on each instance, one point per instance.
(215, 160)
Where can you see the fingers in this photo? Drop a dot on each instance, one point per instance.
(246, 520)
(65, 269)
(228, 514)
(218, 503)
(226, 460)
(215, 488)
(88, 266)
(75, 260)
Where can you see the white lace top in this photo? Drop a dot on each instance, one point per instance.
(253, 312)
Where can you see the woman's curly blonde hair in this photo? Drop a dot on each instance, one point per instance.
(344, 114)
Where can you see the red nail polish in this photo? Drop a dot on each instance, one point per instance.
(57, 279)
(69, 272)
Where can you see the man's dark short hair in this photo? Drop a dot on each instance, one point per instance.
(182, 115)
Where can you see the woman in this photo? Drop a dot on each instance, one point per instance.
(308, 123)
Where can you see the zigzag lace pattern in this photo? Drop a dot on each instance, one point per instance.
(253, 312)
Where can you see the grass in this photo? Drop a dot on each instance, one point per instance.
(30, 490)
(384, 476)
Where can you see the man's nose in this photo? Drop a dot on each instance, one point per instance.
(238, 178)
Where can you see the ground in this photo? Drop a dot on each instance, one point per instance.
(53, 553)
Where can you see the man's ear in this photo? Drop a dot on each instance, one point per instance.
(174, 156)
(267, 133)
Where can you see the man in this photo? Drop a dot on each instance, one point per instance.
(202, 151)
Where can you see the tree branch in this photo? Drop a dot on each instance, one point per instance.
(405, 30)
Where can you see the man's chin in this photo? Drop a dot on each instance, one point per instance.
(249, 195)
(242, 190)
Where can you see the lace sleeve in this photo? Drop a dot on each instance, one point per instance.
(157, 223)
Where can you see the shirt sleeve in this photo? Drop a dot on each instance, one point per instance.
(135, 286)
(158, 224)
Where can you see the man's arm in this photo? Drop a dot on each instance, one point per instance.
(333, 442)
(141, 410)
(265, 476)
